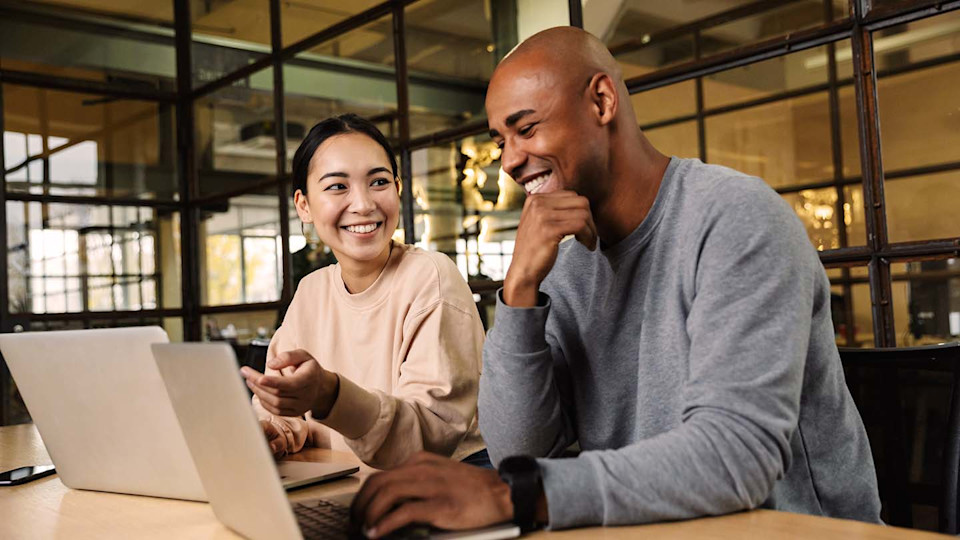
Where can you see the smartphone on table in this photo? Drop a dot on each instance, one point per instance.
(22, 475)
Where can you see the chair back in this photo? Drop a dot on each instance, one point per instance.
(909, 399)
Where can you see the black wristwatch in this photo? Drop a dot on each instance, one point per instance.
(522, 474)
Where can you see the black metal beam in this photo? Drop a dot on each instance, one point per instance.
(5, 396)
(99, 200)
(865, 83)
(576, 13)
(240, 308)
(280, 134)
(187, 175)
(403, 120)
(757, 7)
(449, 135)
(764, 50)
(86, 86)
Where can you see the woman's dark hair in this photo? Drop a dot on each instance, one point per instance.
(336, 125)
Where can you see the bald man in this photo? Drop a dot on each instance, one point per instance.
(684, 340)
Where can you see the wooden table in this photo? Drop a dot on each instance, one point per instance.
(46, 509)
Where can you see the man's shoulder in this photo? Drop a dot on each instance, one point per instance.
(719, 182)
(712, 191)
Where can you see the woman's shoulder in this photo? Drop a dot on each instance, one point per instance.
(316, 281)
(433, 273)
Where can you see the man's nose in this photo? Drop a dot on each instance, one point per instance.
(512, 160)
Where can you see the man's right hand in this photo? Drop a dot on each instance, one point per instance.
(545, 221)
(274, 438)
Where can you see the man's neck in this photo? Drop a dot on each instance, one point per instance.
(636, 175)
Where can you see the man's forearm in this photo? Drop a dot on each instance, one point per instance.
(709, 466)
(520, 409)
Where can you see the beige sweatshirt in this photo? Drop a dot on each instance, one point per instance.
(408, 353)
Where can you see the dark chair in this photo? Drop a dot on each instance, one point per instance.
(256, 356)
(909, 399)
(253, 354)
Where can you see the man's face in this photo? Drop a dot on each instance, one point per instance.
(536, 119)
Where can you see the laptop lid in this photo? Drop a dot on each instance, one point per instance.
(102, 411)
(227, 443)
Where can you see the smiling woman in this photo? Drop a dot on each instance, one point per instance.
(380, 353)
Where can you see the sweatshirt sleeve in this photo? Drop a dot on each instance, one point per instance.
(294, 429)
(748, 325)
(524, 385)
(433, 405)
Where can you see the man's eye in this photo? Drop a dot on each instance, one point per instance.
(525, 129)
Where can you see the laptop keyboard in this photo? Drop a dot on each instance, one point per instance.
(323, 520)
(326, 520)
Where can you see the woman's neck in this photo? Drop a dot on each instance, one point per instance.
(358, 276)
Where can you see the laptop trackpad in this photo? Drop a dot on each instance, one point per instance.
(296, 474)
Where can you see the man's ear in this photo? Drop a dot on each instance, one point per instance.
(602, 92)
(303, 210)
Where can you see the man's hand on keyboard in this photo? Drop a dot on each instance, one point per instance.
(433, 490)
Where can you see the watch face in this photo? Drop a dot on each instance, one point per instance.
(517, 464)
(522, 474)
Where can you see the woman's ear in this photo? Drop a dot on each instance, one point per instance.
(303, 209)
(399, 184)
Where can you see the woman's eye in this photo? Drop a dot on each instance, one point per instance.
(380, 182)
(335, 187)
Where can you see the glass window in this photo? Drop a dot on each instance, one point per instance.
(235, 139)
(466, 207)
(240, 249)
(64, 143)
(681, 140)
(849, 132)
(926, 301)
(67, 42)
(768, 77)
(241, 326)
(918, 117)
(850, 306)
(786, 142)
(774, 20)
(159, 12)
(344, 75)
(647, 55)
(923, 207)
(68, 258)
(918, 108)
(371, 44)
(304, 18)
(817, 210)
(643, 37)
(451, 52)
(228, 36)
(665, 103)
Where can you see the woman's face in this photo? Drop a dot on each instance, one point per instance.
(352, 199)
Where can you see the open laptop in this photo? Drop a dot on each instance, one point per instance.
(103, 413)
(232, 455)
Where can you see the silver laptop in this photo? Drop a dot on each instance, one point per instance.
(103, 413)
(100, 406)
(233, 458)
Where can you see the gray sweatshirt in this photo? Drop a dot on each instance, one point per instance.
(694, 361)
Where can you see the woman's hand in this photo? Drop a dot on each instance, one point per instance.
(301, 386)
(274, 439)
